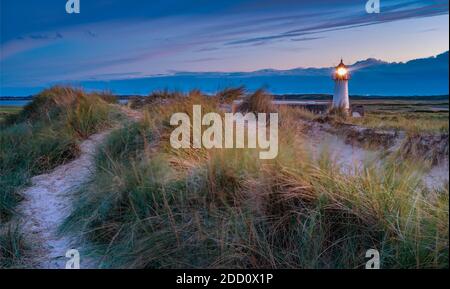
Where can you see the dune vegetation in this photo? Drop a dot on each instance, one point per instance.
(6, 112)
(151, 206)
(45, 134)
(413, 115)
(411, 123)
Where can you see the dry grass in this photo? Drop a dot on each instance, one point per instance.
(150, 206)
(156, 97)
(45, 134)
(228, 95)
(14, 249)
(412, 123)
(258, 102)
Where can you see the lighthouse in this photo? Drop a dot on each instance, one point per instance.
(341, 76)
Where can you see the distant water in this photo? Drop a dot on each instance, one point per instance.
(22, 103)
(14, 102)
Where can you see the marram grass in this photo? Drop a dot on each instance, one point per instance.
(150, 206)
(45, 134)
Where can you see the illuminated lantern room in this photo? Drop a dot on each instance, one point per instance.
(341, 76)
(341, 72)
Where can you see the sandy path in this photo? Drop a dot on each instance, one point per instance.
(47, 203)
(352, 157)
(348, 157)
(437, 176)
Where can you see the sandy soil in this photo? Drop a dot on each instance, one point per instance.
(437, 176)
(348, 157)
(47, 203)
(352, 157)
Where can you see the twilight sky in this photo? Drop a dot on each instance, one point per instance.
(113, 39)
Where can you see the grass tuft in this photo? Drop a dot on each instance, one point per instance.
(43, 135)
(258, 102)
(14, 251)
(228, 95)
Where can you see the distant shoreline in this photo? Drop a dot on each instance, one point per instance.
(279, 97)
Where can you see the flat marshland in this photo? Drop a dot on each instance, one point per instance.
(6, 111)
(413, 116)
(148, 205)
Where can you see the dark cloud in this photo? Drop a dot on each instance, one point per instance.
(91, 34)
(306, 39)
(42, 36)
(154, 36)
(207, 49)
(114, 76)
(356, 19)
(205, 59)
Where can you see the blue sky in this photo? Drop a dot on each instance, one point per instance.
(112, 39)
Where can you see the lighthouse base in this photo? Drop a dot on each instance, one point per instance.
(341, 100)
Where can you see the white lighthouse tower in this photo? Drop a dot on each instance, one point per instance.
(341, 76)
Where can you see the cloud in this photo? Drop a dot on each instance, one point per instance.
(207, 49)
(205, 59)
(21, 45)
(43, 36)
(111, 76)
(91, 34)
(151, 38)
(46, 36)
(356, 19)
(306, 39)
